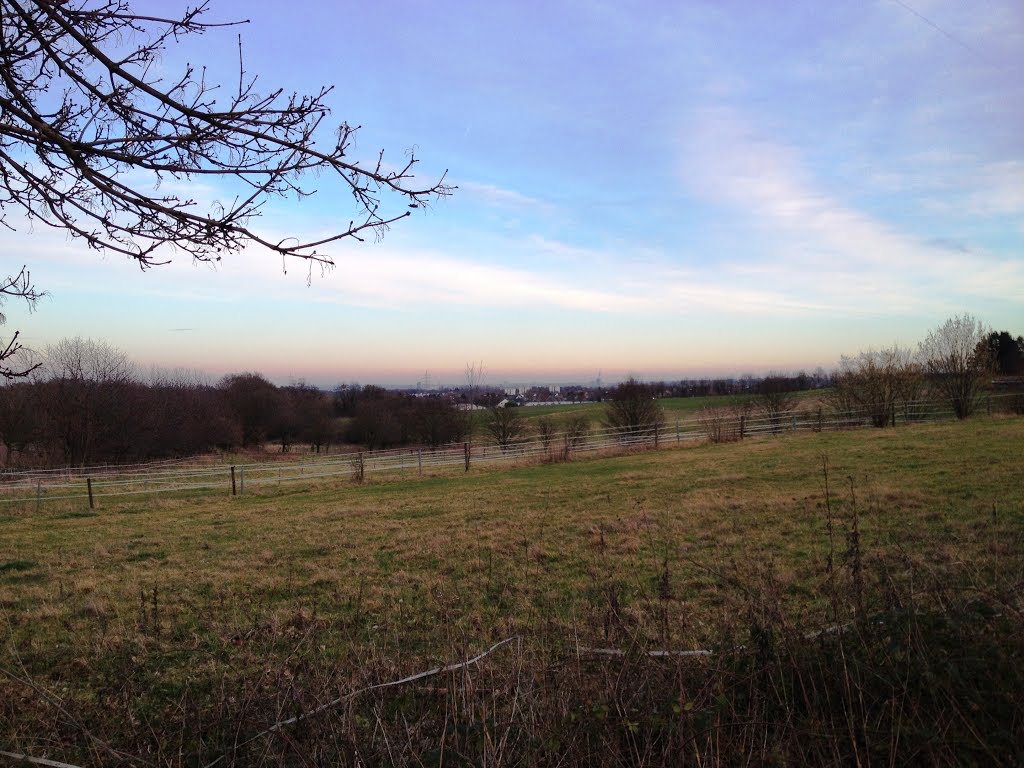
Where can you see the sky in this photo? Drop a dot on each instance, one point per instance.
(663, 190)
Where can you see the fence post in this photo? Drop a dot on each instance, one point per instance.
(234, 492)
(419, 459)
(792, 424)
(743, 424)
(677, 429)
(39, 495)
(88, 484)
(656, 428)
(465, 450)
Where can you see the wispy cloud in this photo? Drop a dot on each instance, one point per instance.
(816, 237)
(415, 279)
(995, 189)
(418, 280)
(500, 197)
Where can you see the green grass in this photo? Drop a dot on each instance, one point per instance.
(925, 484)
(675, 407)
(595, 412)
(138, 612)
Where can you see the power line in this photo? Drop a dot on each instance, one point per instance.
(940, 30)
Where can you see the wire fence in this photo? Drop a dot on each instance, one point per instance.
(35, 488)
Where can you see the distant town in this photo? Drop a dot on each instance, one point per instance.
(487, 396)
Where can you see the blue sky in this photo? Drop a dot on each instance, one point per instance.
(663, 190)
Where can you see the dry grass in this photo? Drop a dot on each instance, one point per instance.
(177, 631)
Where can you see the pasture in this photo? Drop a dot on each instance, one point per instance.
(178, 631)
(675, 407)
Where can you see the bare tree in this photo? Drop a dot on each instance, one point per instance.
(20, 423)
(633, 408)
(436, 421)
(81, 108)
(81, 359)
(577, 427)
(878, 384)
(958, 361)
(778, 396)
(258, 405)
(86, 397)
(505, 425)
(724, 423)
(546, 431)
(16, 286)
(311, 411)
(91, 129)
(474, 380)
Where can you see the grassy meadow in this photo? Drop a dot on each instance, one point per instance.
(174, 632)
(674, 408)
(595, 412)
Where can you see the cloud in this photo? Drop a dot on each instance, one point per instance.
(996, 190)
(564, 252)
(413, 279)
(500, 197)
(391, 277)
(814, 238)
(417, 280)
(809, 252)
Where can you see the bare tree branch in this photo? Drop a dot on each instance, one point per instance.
(89, 134)
(958, 361)
(18, 286)
(80, 110)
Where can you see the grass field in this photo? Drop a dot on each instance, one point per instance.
(180, 629)
(595, 412)
(674, 407)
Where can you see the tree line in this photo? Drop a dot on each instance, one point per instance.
(957, 363)
(87, 403)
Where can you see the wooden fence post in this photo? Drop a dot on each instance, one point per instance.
(419, 459)
(656, 428)
(234, 491)
(465, 449)
(88, 484)
(743, 425)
